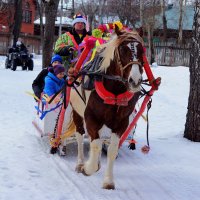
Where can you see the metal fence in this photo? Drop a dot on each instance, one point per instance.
(171, 54)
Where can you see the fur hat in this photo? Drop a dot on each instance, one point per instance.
(79, 18)
(56, 57)
(58, 69)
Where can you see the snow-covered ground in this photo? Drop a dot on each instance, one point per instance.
(27, 171)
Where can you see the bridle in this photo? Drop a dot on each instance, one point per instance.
(122, 68)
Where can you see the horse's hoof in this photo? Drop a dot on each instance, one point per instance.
(83, 171)
(53, 150)
(109, 186)
(79, 168)
(99, 166)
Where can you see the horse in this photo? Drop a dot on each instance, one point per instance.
(110, 104)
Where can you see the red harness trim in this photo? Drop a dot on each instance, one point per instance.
(110, 98)
(154, 86)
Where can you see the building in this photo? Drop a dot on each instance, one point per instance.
(27, 27)
(172, 16)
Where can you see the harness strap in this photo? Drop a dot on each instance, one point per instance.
(73, 40)
(148, 108)
(154, 86)
(43, 113)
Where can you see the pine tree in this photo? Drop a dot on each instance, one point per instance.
(192, 125)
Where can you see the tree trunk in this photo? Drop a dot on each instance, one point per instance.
(17, 20)
(164, 20)
(150, 43)
(50, 13)
(192, 125)
(142, 13)
(40, 6)
(180, 29)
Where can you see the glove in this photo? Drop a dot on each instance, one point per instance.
(66, 51)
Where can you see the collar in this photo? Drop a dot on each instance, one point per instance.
(109, 98)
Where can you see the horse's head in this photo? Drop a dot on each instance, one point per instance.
(123, 57)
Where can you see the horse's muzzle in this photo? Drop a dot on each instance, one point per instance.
(134, 83)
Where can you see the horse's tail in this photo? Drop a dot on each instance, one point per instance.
(71, 128)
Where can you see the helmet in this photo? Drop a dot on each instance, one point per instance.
(18, 43)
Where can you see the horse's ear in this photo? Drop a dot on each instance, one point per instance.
(140, 31)
(117, 31)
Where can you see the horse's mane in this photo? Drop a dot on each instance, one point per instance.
(107, 50)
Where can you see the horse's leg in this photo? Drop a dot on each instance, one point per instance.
(92, 165)
(108, 182)
(78, 120)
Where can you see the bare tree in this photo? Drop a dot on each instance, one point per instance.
(40, 8)
(164, 19)
(192, 125)
(128, 11)
(180, 28)
(17, 20)
(152, 8)
(101, 6)
(90, 8)
(50, 7)
(142, 12)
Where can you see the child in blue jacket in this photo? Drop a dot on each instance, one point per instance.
(38, 83)
(54, 80)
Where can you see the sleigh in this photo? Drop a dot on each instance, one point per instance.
(117, 88)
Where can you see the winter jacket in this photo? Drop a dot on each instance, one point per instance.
(20, 48)
(52, 84)
(38, 83)
(67, 40)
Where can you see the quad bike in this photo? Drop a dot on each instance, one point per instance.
(19, 58)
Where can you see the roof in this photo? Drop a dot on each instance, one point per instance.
(65, 21)
(172, 16)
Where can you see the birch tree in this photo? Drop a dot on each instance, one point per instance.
(192, 125)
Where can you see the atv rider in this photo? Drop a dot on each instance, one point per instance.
(19, 46)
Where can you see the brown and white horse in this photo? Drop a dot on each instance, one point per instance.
(121, 66)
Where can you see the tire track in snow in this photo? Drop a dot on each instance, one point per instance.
(76, 192)
(66, 167)
(157, 182)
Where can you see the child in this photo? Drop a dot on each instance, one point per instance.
(54, 80)
(38, 83)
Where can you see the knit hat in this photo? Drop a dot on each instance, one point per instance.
(56, 57)
(79, 18)
(58, 69)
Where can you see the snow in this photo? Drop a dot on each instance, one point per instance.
(64, 20)
(27, 171)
